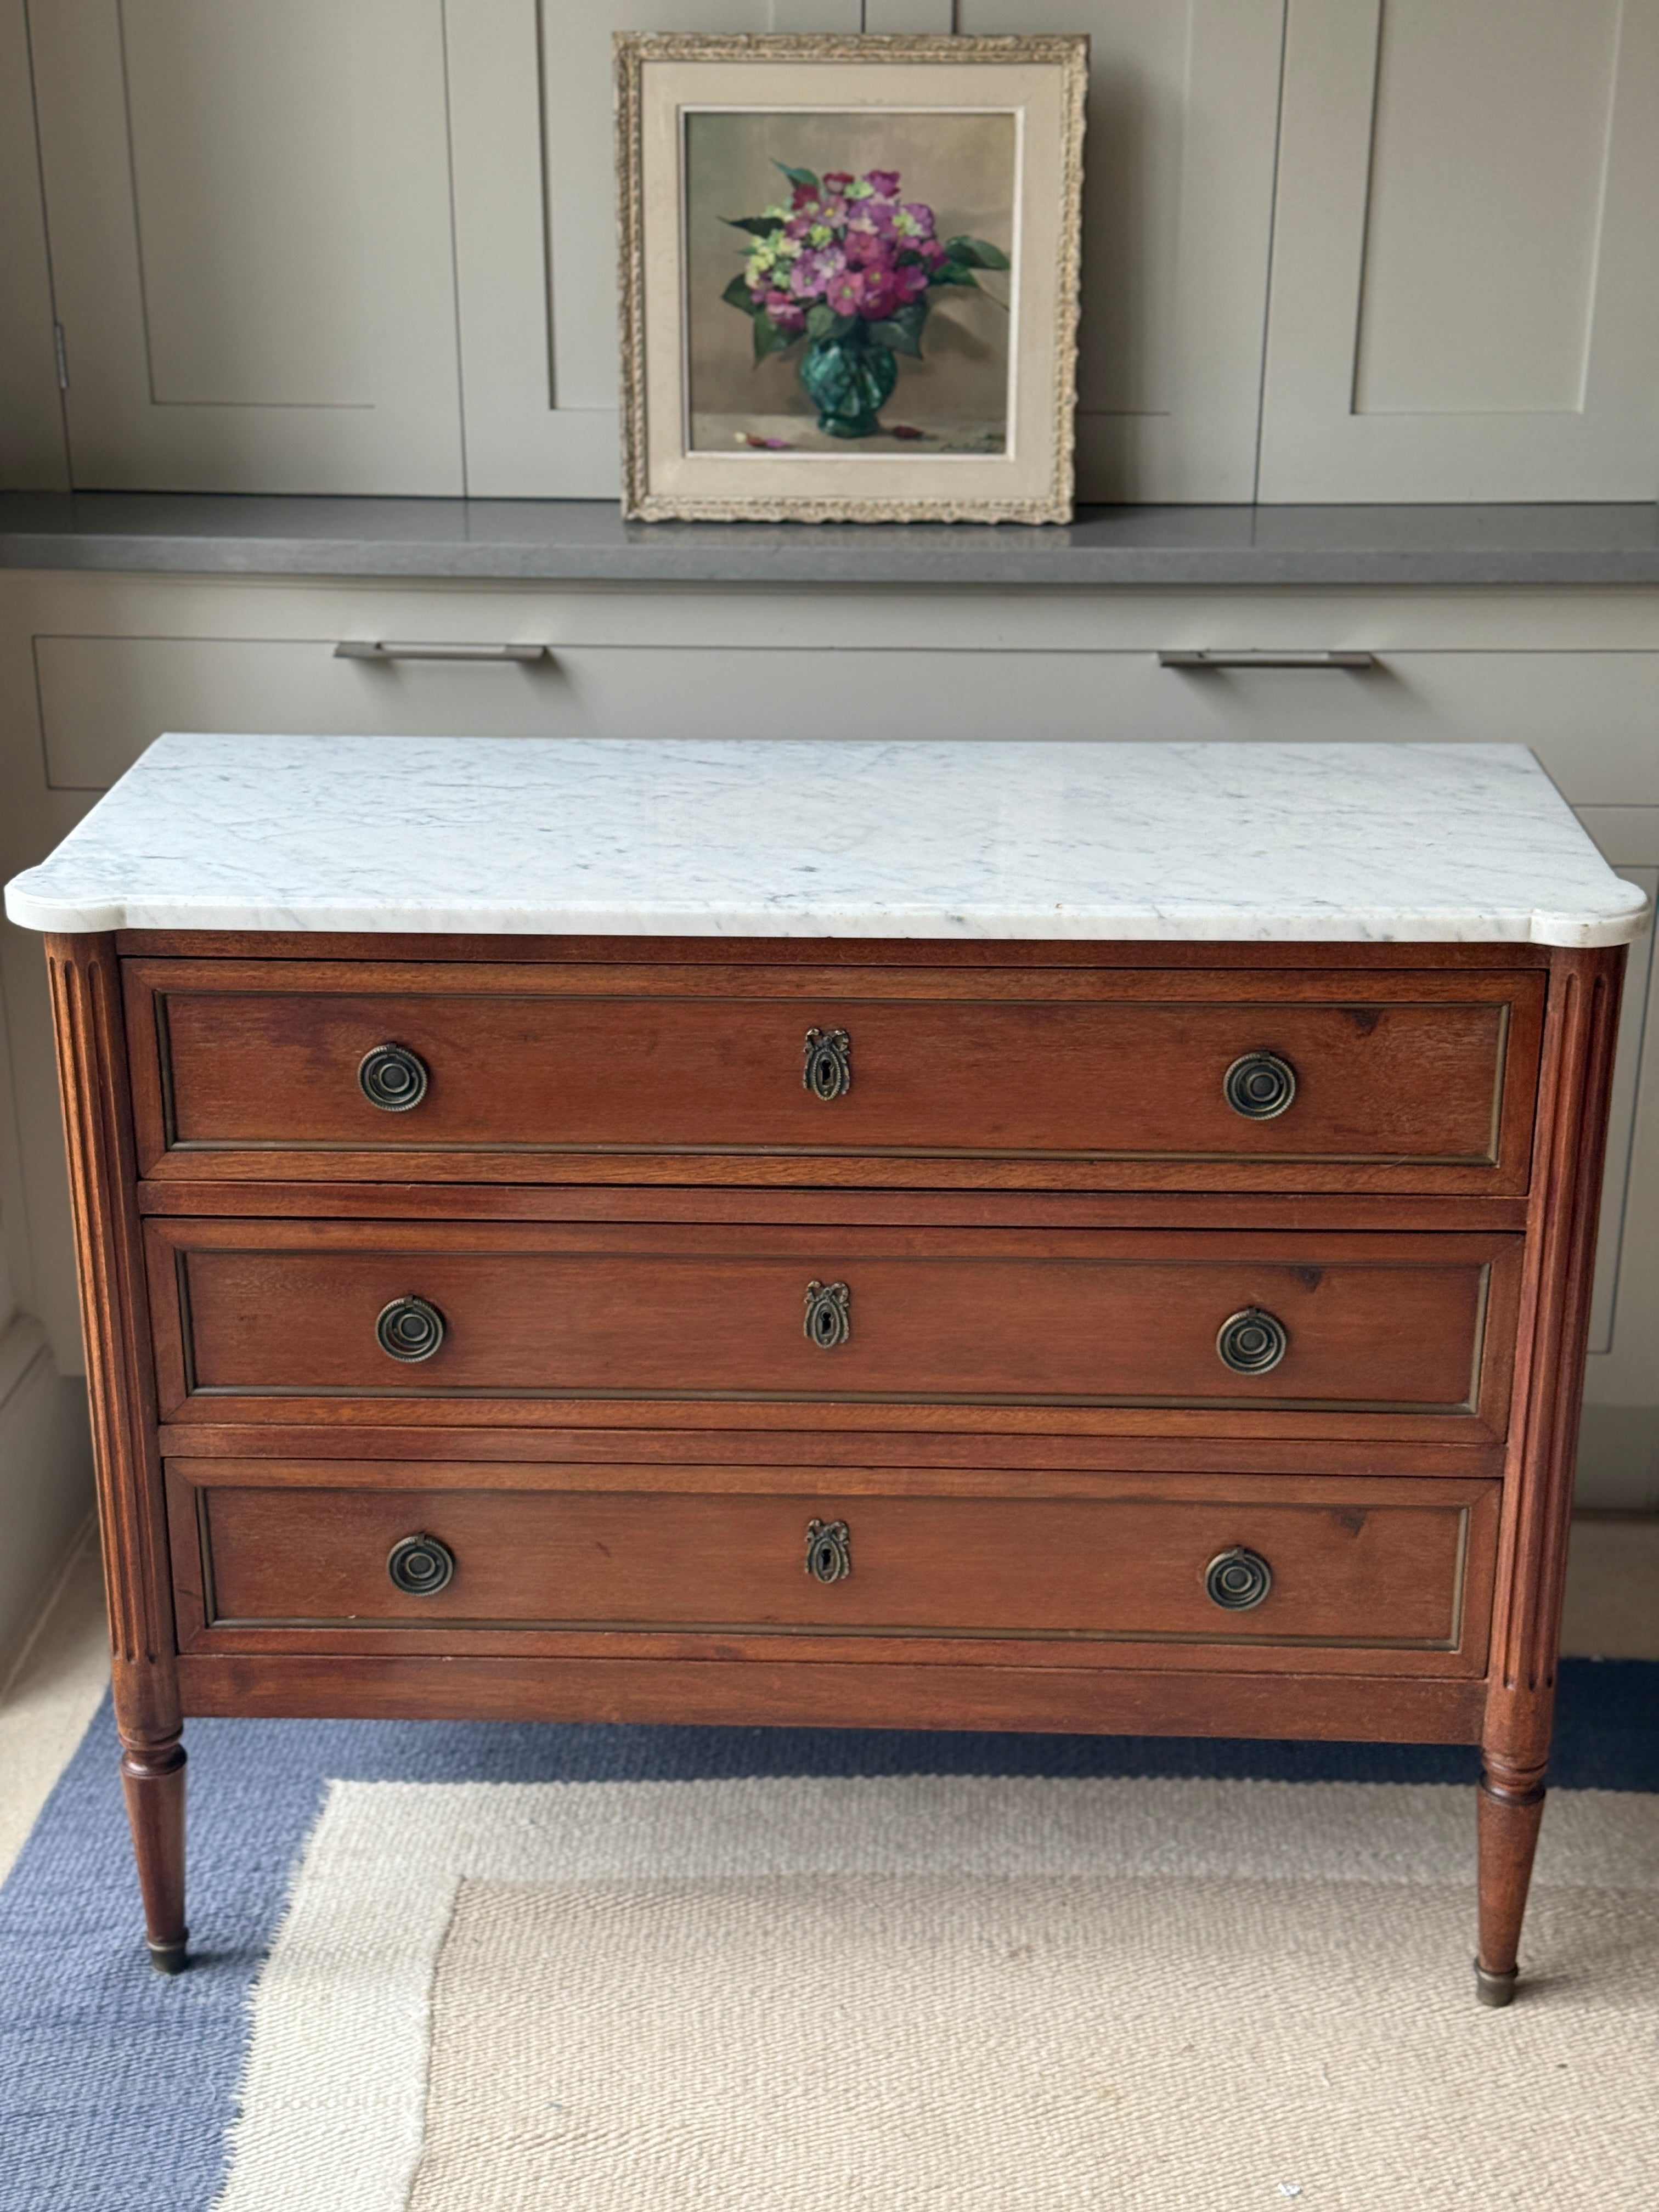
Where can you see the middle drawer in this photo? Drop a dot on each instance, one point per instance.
(1383, 1328)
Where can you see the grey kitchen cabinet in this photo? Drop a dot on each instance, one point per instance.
(1333, 249)
(350, 245)
(1178, 167)
(535, 230)
(248, 212)
(1177, 220)
(1465, 292)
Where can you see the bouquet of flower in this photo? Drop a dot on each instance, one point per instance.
(851, 268)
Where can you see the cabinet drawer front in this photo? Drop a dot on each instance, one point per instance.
(1365, 1569)
(1395, 1323)
(1387, 1080)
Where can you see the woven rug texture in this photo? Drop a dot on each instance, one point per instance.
(947, 1994)
(290, 2068)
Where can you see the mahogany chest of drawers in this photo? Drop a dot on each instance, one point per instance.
(1091, 1332)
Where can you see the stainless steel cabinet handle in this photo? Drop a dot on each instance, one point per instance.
(366, 648)
(1184, 659)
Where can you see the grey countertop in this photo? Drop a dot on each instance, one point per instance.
(586, 541)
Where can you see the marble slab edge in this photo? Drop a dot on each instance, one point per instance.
(29, 911)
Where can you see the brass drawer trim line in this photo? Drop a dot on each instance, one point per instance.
(1429, 1409)
(421, 1623)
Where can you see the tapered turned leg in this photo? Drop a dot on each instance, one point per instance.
(153, 1778)
(1511, 1805)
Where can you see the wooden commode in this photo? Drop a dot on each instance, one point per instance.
(1084, 1237)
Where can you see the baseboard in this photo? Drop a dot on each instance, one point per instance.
(46, 1479)
(1619, 1460)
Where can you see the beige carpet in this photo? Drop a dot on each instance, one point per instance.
(938, 2044)
(938, 1994)
(54, 1686)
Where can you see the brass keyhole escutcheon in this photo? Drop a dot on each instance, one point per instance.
(829, 1551)
(1237, 1580)
(1252, 1342)
(408, 1328)
(827, 1064)
(1261, 1086)
(392, 1077)
(829, 1318)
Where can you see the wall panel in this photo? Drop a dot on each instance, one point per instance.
(1465, 295)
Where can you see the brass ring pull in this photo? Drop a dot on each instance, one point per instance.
(420, 1565)
(1252, 1342)
(408, 1328)
(1261, 1086)
(827, 1064)
(829, 1318)
(392, 1078)
(1237, 1580)
(829, 1551)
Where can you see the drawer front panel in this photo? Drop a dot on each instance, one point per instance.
(1407, 1081)
(1413, 1324)
(1381, 1565)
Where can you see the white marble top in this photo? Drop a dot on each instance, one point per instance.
(780, 838)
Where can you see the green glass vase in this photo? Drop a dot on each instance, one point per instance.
(849, 381)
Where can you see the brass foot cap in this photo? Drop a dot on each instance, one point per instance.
(1495, 1988)
(170, 1958)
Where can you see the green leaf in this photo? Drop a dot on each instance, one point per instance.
(842, 325)
(758, 226)
(820, 320)
(735, 294)
(768, 338)
(977, 252)
(903, 330)
(954, 272)
(799, 176)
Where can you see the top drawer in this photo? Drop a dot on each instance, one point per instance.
(1310, 1079)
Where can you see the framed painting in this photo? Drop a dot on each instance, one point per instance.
(849, 275)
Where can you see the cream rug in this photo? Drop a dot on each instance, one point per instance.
(947, 1995)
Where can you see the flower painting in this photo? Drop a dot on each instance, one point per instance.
(849, 271)
(864, 304)
(850, 267)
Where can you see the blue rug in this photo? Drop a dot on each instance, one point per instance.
(117, 2086)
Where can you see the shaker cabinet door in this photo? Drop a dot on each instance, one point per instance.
(1465, 300)
(249, 210)
(536, 229)
(1178, 217)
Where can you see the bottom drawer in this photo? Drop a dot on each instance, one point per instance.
(450, 1553)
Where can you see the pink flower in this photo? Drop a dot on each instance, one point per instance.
(846, 294)
(865, 249)
(785, 313)
(804, 196)
(931, 250)
(885, 183)
(921, 215)
(909, 280)
(816, 269)
(873, 220)
(838, 180)
(880, 297)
